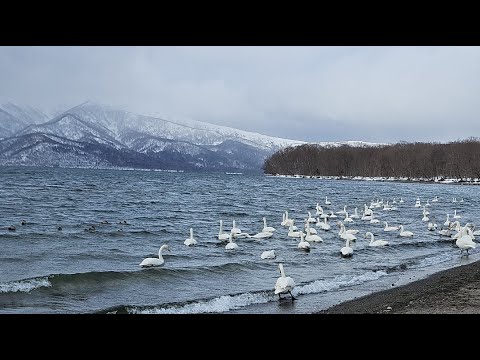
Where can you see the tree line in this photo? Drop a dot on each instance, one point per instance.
(459, 159)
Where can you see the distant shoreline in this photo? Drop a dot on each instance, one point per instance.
(439, 180)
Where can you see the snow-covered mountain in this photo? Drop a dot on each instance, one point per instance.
(92, 134)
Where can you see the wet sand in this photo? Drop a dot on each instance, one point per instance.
(452, 291)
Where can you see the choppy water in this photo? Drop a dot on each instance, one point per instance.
(46, 270)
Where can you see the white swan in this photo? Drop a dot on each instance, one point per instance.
(347, 218)
(288, 221)
(235, 229)
(455, 216)
(355, 214)
(389, 228)
(231, 245)
(324, 225)
(327, 202)
(293, 233)
(332, 215)
(447, 222)
(303, 245)
(375, 242)
(345, 235)
(262, 235)
(310, 218)
(267, 228)
(242, 235)
(374, 220)
(405, 233)
(343, 230)
(344, 211)
(425, 218)
(268, 254)
(221, 235)
(417, 203)
(308, 229)
(401, 200)
(148, 262)
(346, 251)
(465, 242)
(284, 284)
(425, 211)
(435, 199)
(312, 237)
(190, 241)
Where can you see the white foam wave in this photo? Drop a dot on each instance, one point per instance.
(216, 305)
(337, 282)
(24, 285)
(231, 302)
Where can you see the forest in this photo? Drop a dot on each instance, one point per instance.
(458, 160)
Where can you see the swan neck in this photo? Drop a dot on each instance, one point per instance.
(282, 272)
(191, 233)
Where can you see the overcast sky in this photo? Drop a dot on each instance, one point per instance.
(380, 94)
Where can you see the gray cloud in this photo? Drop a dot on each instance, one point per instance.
(384, 94)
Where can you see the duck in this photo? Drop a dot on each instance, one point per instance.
(284, 284)
(405, 233)
(190, 241)
(346, 251)
(149, 262)
(375, 242)
(231, 245)
(268, 254)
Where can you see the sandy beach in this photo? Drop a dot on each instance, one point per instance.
(452, 291)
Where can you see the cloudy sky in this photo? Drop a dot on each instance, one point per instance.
(381, 94)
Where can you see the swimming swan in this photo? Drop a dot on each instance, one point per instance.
(284, 284)
(375, 242)
(190, 241)
(389, 228)
(303, 245)
(148, 262)
(231, 245)
(221, 234)
(267, 228)
(405, 233)
(346, 251)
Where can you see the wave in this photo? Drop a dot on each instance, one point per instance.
(26, 285)
(227, 303)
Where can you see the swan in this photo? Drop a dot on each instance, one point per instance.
(190, 241)
(284, 284)
(417, 203)
(288, 221)
(311, 236)
(425, 211)
(148, 262)
(262, 235)
(432, 226)
(455, 216)
(401, 200)
(303, 245)
(343, 230)
(310, 218)
(344, 211)
(269, 254)
(242, 235)
(309, 229)
(374, 220)
(327, 202)
(426, 204)
(346, 251)
(375, 242)
(221, 234)
(235, 230)
(393, 201)
(283, 223)
(447, 222)
(332, 215)
(231, 245)
(465, 242)
(389, 228)
(405, 233)
(454, 199)
(293, 233)
(355, 214)
(435, 199)
(347, 218)
(445, 232)
(267, 228)
(425, 217)
(324, 225)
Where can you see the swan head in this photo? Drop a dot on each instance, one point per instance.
(164, 248)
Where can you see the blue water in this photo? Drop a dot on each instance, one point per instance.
(46, 270)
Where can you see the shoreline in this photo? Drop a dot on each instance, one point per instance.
(452, 291)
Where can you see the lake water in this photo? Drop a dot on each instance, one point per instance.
(47, 270)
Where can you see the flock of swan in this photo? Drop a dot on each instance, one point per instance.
(463, 237)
